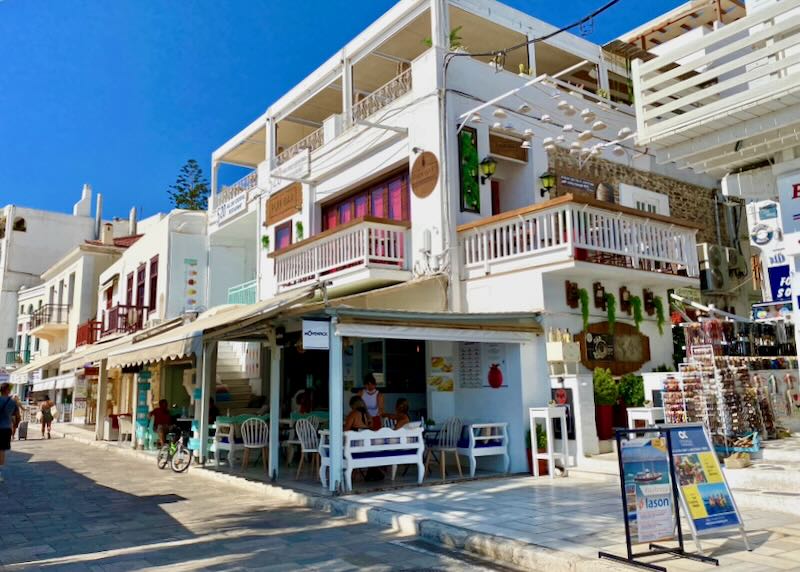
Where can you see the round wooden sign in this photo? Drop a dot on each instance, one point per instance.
(424, 174)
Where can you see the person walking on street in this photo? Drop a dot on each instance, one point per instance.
(9, 417)
(47, 416)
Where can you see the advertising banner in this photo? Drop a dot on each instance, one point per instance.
(789, 193)
(780, 282)
(700, 480)
(316, 335)
(648, 489)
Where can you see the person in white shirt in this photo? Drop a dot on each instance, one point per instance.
(373, 399)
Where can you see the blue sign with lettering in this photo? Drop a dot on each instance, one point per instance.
(780, 282)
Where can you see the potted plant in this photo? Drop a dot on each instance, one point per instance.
(605, 396)
(298, 228)
(541, 447)
(265, 242)
(631, 394)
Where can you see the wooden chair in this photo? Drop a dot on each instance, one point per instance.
(309, 442)
(446, 442)
(255, 434)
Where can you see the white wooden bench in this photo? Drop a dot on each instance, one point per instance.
(485, 440)
(364, 449)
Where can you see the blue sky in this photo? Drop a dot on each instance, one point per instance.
(121, 93)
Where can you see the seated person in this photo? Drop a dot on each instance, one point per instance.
(162, 419)
(213, 411)
(400, 415)
(358, 418)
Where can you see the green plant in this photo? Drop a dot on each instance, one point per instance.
(658, 302)
(265, 242)
(611, 311)
(430, 423)
(584, 297)
(191, 189)
(298, 228)
(602, 93)
(664, 367)
(454, 39)
(631, 390)
(636, 305)
(541, 438)
(605, 387)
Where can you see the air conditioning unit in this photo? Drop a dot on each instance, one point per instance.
(714, 274)
(737, 263)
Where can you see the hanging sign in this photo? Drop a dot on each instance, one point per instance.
(780, 282)
(424, 174)
(232, 207)
(701, 483)
(284, 203)
(316, 335)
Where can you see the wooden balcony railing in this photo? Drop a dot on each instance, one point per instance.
(578, 228)
(382, 96)
(88, 333)
(363, 243)
(123, 319)
(50, 314)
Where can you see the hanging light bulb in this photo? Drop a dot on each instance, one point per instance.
(563, 105)
(528, 133)
(567, 128)
(588, 115)
(500, 113)
(476, 117)
(624, 132)
(599, 125)
(548, 141)
(546, 118)
(570, 111)
(585, 135)
(526, 144)
(524, 108)
(618, 150)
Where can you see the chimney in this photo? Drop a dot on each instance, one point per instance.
(98, 216)
(84, 206)
(107, 236)
(132, 222)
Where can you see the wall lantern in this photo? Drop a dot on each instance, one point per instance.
(599, 295)
(548, 181)
(488, 167)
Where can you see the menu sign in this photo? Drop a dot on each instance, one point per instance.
(285, 203)
(424, 174)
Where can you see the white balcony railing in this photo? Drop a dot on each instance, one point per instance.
(582, 229)
(249, 181)
(366, 243)
(313, 140)
(382, 96)
(730, 75)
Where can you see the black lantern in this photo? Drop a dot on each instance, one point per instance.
(548, 181)
(488, 167)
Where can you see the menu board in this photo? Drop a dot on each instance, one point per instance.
(469, 373)
(441, 378)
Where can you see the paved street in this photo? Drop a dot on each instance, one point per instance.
(67, 506)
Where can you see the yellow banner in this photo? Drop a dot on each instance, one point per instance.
(694, 501)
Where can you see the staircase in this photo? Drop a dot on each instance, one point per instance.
(232, 374)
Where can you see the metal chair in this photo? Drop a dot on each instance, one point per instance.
(446, 442)
(255, 434)
(309, 442)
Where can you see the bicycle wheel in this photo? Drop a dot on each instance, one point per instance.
(181, 459)
(163, 458)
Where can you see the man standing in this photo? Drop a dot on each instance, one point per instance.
(9, 416)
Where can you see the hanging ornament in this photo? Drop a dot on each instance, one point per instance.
(585, 135)
(599, 125)
(524, 108)
(546, 119)
(624, 132)
(500, 113)
(588, 115)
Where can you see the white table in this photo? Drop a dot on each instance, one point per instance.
(650, 416)
(547, 415)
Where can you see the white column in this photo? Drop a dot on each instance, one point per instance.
(440, 24)
(274, 409)
(212, 196)
(209, 373)
(336, 396)
(347, 91)
(269, 142)
(602, 75)
(102, 394)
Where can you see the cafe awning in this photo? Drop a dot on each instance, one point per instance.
(40, 363)
(86, 355)
(56, 382)
(187, 340)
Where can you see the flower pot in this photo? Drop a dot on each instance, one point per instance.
(542, 462)
(620, 415)
(604, 421)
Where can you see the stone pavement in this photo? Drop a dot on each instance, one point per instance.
(66, 506)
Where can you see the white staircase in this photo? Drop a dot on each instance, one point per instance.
(231, 372)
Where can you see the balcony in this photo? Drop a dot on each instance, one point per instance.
(363, 254)
(50, 321)
(243, 185)
(578, 229)
(313, 140)
(244, 293)
(88, 333)
(729, 99)
(382, 96)
(123, 319)
(18, 358)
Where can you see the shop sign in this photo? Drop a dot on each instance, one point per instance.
(576, 183)
(701, 482)
(232, 207)
(780, 282)
(424, 174)
(767, 311)
(624, 351)
(789, 193)
(506, 147)
(285, 203)
(441, 377)
(648, 489)
(316, 335)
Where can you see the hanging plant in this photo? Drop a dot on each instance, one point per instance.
(611, 311)
(658, 302)
(584, 296)
(265, 242)
(298, 227)
(636, 305)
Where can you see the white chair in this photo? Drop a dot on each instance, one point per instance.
(446, 442)
(309, 442)
(255, 434)
(125, 428)
(225, 440)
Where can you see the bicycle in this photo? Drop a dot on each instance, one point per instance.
(175, 454)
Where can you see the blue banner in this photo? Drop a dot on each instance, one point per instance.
(780, 282)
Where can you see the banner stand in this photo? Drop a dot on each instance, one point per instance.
(633, 558)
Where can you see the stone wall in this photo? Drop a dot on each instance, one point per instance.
(688, 202)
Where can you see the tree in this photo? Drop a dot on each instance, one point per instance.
(191, 190)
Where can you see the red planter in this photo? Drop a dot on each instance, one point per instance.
(620, 415)
(604, 421)
(542, 462)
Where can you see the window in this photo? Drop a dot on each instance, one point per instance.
(19, 225)
(141, 274)
(10, 344)
(385, 199)
(283, 235)
(22, 309)
(71, 291)
(36, 344)
(30, 308)
(153, 282)
(643, 200)
(129, 290)
(109, 297)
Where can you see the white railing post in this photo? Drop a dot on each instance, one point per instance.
(365, 243)
(570, 243)
(485, 245)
